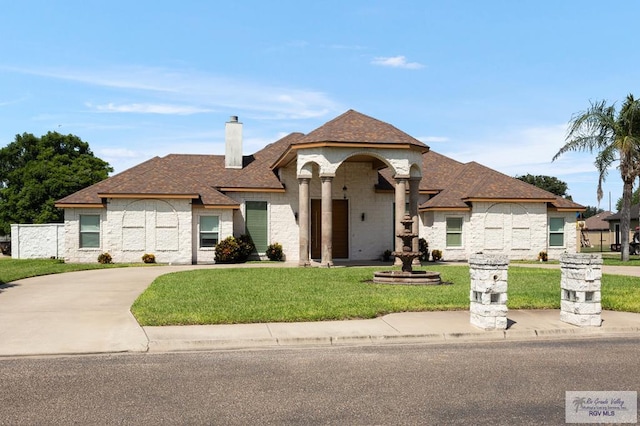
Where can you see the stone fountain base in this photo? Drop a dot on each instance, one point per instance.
(407, 278)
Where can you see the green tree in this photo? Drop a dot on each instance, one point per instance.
(35, 172)
(548, 183)
(616, 138)
(591, 211)
(635, 199)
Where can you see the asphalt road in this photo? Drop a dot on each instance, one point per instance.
(508, 383)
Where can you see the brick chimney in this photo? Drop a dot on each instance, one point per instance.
(233, 143)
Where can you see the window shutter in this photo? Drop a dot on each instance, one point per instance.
(257, 224)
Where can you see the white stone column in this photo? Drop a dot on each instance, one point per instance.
(327, 222)
(414, 186)
(401, 189)
(488, 294)
(580, 285)
(303, 221)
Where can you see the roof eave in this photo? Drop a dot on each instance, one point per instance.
(249, 189)
(222, 206)
(441, 209)
(79, 205)
(149, 195)
(507, 200)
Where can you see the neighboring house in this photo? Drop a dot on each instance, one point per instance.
(595, 231)
(614, 226)
(330, 194)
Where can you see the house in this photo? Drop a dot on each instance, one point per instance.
(337, 192)
(614, 226)
(594, 231)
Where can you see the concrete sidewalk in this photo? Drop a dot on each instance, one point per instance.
(409, 327)
(88, 312)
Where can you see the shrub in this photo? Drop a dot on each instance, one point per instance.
(542, 256)
(246, 247)
(436, 255)
(423, 248)
(274, 252)
(148, 258)
(234, 250)
(105, 258)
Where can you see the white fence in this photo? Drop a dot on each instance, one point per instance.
(37, 241)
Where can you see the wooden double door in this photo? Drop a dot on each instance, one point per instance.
(340, 234)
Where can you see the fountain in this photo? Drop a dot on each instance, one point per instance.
(407, 275)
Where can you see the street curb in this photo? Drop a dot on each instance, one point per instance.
(158, 346)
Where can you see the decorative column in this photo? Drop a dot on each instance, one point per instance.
(327, 222)
(488, 291)
(580, 284)
(414, 185)
(303, 220)
(401, 189)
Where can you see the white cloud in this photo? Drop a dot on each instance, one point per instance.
(149, 108)
(396, 62)
(190, 87)
(520, 151)
(530, 150)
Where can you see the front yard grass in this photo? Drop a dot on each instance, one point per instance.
(250, 295)
(17, 269)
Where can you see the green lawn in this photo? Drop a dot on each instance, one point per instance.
(16, 269)
(225, 296)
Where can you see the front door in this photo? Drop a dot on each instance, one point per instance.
(340, 232)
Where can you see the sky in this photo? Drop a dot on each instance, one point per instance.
(493, 81)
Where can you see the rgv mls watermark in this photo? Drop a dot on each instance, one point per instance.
(601, 406)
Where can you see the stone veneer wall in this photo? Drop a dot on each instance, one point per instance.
(488, 295)
(519, 231)
(37, 241)
(580, 289)
(130, 228)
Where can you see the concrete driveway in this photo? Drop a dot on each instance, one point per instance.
(75, 312)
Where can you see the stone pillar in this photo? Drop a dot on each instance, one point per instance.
(327, 222)
(401, 189)
(414, 186)
(488, 294)
(303, 220)
(580, 289)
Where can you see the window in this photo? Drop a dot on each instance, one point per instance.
(556, 232)
(454, 232)
(90, 231)
(209, 231)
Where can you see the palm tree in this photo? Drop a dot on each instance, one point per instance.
(616, 137)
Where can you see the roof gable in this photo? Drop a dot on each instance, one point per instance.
(355, 127)
(475, 182)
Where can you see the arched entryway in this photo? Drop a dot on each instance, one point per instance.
(342, 212)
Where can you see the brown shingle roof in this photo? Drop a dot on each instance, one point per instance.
(355, 127)
(473, 181)
(598, 222)
(189, 175)
(635, 211)
(205, 176)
